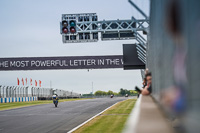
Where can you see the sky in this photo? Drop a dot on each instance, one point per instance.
(31, 28)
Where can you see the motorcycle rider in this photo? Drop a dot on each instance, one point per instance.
(55, 99)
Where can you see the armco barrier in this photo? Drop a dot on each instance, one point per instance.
(17, 99)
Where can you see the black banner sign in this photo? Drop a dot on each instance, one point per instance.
(68, 62)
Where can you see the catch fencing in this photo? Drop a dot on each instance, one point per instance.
(27, 93)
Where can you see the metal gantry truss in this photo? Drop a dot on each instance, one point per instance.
(111, 26)
(141, 50)
(141, 47)
(115, 29)
(88, 29)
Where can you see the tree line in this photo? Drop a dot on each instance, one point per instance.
(122, 92)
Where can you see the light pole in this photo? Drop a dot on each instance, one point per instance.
(50, 84)
(92, 87)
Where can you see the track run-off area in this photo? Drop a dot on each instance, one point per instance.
(46, 118)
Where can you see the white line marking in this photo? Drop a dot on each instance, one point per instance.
(91, 118)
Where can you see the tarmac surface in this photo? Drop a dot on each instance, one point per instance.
(46, 118)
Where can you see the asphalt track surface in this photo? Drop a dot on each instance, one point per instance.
(48, 119)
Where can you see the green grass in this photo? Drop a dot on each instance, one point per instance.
(5, 106)
(111, 121)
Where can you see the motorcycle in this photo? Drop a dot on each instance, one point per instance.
(55, 101)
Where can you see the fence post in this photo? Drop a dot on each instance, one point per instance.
(7, 91)
(15, 91)
(38, 91)
(10, 91)
(23, 92)
(18, 91)
(0, 90)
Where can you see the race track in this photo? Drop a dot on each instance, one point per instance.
(46, 118)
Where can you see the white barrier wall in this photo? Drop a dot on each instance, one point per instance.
(29, 91)
(17, 99)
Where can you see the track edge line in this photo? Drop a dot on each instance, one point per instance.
(91, 118)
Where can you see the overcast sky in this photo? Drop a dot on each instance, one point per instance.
(30, 28)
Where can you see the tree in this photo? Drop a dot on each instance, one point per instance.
(110, 92)
(104, 93)
(98, 93)
(116, 94)
(133, 92)
(125, 91)
(122, 92)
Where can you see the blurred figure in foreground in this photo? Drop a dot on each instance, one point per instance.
(174, 98)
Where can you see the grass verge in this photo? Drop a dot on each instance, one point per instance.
(111, 121)
(6, 106)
